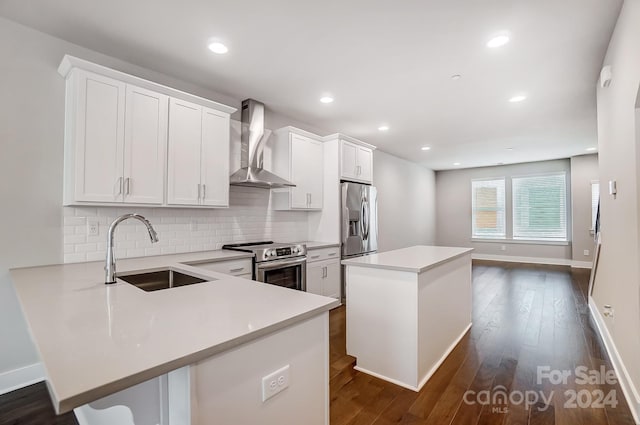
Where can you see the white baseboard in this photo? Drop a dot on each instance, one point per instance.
(533, 260)
(581, 264)
(19, 378)
(629, 390)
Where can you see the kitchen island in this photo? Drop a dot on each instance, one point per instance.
(406, 310)
(212, 341)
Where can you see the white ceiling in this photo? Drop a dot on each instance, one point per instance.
(385, 62)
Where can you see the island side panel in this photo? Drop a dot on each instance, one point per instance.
(444, 312)
(227, 388)
(382, 321)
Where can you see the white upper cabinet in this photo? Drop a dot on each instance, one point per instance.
(145, 146)
(94, 139)
(198, 171)
(298, 157)
(356, 162)
(185, 147)
(116, 141)
(215, 158)
(116, 134)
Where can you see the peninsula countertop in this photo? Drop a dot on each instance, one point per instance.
(416, 259)
(96, 339)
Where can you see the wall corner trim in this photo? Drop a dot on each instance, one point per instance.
(15, 379)
(628, 388)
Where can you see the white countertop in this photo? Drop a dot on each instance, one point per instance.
(415, 259)
(96, 339)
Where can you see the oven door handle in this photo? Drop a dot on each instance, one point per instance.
(270, 265)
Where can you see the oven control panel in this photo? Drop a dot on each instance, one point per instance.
(284, 252)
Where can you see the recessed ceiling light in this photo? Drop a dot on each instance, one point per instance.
(426, 148)
(456, 77)
(217, 47)
(591, 149)
(509, 149)
(498, 40)
(517, 98)
(456, 163)
(326, 99)
(383, 128)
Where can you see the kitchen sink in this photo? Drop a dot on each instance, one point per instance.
(161, 279)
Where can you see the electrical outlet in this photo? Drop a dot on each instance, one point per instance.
(503, 247)
(93, 228)
(275, 382)
(586, 252)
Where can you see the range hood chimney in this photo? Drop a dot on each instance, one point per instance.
(253, 139)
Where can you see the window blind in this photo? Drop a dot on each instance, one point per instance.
(488, 208)
(539, 207)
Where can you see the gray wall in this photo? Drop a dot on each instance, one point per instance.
(617, 278)
(584, 170)
(406, 202)
(31, 136)
(453, 210)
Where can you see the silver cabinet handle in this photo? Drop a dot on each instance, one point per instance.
(324, 275)
(199, 185)
(127, 185)
(204, 191)
(239, 269)
(332, 253)
(119, 185)
(313, 257)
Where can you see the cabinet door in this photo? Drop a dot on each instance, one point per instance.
(145, 144)
(99, 138)
(315, 272)
(331, 284)
(185, 141)
(215, 158)
(300, 161)
(315, 173)
(365, 164)
(348, 160)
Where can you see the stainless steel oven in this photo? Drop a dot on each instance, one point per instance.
(277, 263)
(290, 273)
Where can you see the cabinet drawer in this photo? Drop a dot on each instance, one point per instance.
(233, 267)
(323, 254)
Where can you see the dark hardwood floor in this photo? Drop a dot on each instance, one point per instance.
(524, 317)
(31, 406)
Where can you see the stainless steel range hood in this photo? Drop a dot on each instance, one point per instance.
(253, 139)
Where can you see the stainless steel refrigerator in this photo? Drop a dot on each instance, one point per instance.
(359, 219)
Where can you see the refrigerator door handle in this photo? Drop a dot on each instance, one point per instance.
(365, 220)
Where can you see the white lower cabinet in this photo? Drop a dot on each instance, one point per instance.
(323, 278)
(241, 268)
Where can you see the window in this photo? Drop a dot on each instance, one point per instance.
(595, 200)
(540, 207)
(488, 211)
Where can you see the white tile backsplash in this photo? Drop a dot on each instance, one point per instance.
(249, 218)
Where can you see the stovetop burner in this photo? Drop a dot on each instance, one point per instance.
(269, 250)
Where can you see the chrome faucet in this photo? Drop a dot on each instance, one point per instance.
(110, 266)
